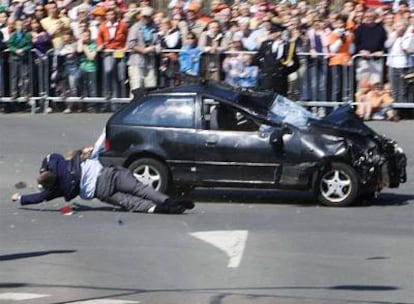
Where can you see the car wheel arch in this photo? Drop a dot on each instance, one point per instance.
(135, 156)
(324, 165)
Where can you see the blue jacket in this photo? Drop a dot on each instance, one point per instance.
(67, 173)
(189, 60)
(248, 78)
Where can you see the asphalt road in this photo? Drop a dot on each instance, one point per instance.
(236, 246)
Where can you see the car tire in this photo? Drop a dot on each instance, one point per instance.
(338, 185)
(151, 172)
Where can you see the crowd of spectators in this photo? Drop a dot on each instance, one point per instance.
(141, 46)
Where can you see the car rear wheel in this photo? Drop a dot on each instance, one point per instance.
(151, 172)
(338, 185)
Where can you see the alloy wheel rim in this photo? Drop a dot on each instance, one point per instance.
(149, 176)
(336, 186)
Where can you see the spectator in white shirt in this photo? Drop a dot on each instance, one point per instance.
(397, 61)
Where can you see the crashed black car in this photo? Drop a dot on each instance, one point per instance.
(212, 135)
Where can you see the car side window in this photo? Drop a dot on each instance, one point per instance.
(163, 111)
(218, 116)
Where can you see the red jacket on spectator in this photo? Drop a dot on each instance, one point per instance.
(119, 40)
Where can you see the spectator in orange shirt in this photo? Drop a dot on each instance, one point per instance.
(340, 47)
(112, 37)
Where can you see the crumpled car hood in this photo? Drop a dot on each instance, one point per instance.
(342, 120)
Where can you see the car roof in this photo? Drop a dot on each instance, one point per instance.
(250, 100)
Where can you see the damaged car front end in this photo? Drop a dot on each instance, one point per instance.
(350, 160)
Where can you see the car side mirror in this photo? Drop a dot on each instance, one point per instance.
(276, 138)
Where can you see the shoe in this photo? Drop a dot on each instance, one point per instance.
(395, 118)
(169, 209)
(392, 115)
(176, 209)
(67, 111)
(187, 204)
(377, 117)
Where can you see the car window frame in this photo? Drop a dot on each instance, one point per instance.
(203, 123)
(146, 99)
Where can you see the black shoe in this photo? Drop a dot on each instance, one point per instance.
(187, 204)
(176, 209)
(169, 209)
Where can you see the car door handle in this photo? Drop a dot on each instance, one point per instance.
(211, 142)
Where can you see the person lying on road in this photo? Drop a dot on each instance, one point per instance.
(83, 174)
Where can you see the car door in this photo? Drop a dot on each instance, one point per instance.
(234, 153)
(162, 125)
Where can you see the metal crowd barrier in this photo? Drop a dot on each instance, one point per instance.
(310, 86)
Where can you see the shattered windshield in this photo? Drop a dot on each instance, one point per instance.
(286, 111)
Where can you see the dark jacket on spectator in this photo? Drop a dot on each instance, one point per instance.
(370, 37)
(43, 44)
(275, 71)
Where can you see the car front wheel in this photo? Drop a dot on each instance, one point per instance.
(151, 172)
(338, 185)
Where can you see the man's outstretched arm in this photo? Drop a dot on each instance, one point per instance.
(34, 198)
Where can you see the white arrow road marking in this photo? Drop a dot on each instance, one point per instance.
(232, 242)
(106, 301)
(20, 296)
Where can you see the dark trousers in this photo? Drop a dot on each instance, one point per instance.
(118, 186)
(275, 82)
(19, 76)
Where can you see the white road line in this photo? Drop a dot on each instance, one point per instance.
(106, 301)
(20, 296)
(232, 242)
